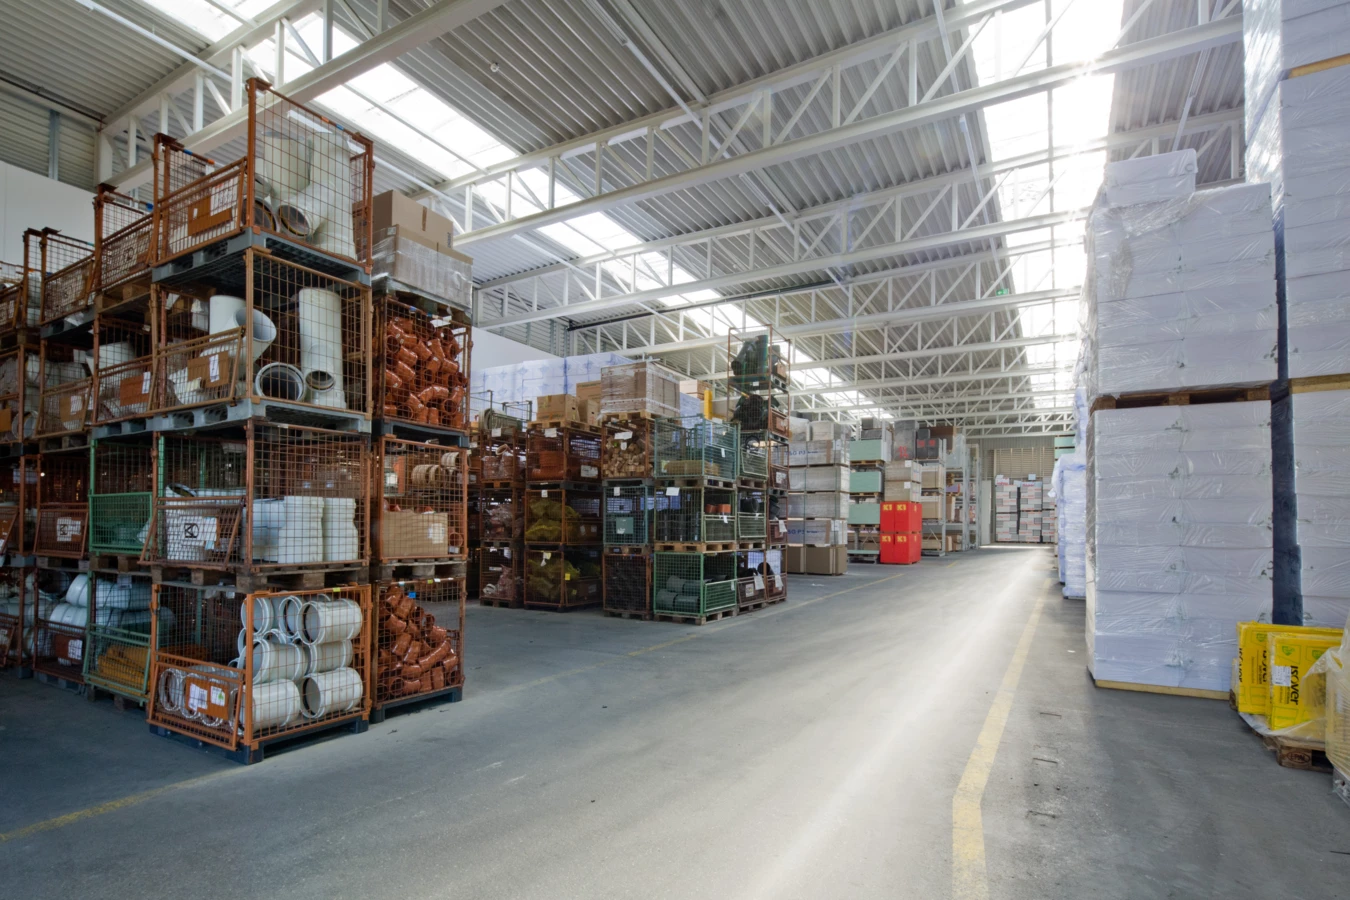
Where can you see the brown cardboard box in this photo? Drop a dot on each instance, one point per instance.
(414, 221)
(588, 411)
(793, 560)
(933, 543)
(934, 477)
(556, 406)
(407, 534)
(587, 390)
(825, 560)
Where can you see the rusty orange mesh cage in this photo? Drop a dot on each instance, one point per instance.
(627, 449)
(302, 177)
(63, 504)
(628, 583)
(423, 509)
(419, 638)
(778, 465)
(267, 329)
(124, 368)
(304, 491)
(749, 580)
(18, 609)
(60, 622)
(20, 394)
(564, 578)
(501, 459)
(475, 522)
(66, 389)
(123, 230)
(235, 669)
(563, 515)
(501, 512)
(500, 575)
(422, 373)
(21, 286)
(18, 504)
(562, 454)
(68, 279)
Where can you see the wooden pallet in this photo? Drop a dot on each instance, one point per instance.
(56, 444)
(695, 481)
(752, 605)
(628, 550)
(641, 616)
(1296, 754)
(555, 607)
(751, 545)
(246, 756)
(874, 463)
(640, 415)
(65, 684)
(401, 571)
(444, 695)
(499, 603)
(1141, 399)
(695, 547)
(308, 579)
(1319, 383)
(120, 702)
(696, 620)
(565, 424)
(753, 484)
(62, 562)
(107, 562)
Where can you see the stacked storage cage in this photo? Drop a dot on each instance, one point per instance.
(759, 403)
(1181, 331)
(563, 511)
(818, 502)
(695, 566)
(867, 461)
(499, 459)
(633, 399)
(260, 408)
(18, 577)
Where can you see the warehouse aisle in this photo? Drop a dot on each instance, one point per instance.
(811, 750)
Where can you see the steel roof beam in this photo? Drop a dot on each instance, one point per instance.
(949, 378)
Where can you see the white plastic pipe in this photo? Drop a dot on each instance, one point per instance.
(300, 538)
(263, 617)
(275, 705)
(264, 331)
(320, 313)
(282, 167)
(326, 621)
(223, 309)
(280, 381)
(330, 656)
(332, 693)
(291, 609)
(278, 662)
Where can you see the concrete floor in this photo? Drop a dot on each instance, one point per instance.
(807, 751)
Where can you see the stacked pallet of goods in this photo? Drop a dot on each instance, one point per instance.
(867, 461)
(935, 506)
(1070, 485)
(1179, 353)
(499, 466)
(818, 500)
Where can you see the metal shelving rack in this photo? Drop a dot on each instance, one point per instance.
(967, 478)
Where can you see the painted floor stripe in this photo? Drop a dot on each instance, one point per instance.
(969, 877)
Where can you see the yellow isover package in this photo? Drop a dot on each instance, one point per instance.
(1337, 665)
(1252, 686)
(1297, 691)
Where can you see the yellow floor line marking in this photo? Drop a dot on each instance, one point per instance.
(969, 878)
(134, 799)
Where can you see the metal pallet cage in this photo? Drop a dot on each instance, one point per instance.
(562, 515)
(261, 328)
(20, 393)
(749, 581)
(301, 177)
(769, 563)
(561, 454)
(419, 638)
(117, 657)
(693, 514)
(754, 456)
(501, 512)
(628, 512)
(234, 669)
(68, 282)
(627, 451)
(422, 373)
(501, 455)
(304, 491)
(423, 509)
(696, 448)
(21, 286)
(63, 504)
(693, 584)
(66, 390)
(121, 496)
(758, 381)
(751, 515)
(501, 574)
(563, 578)
(124, 364)
(18, 505)
(60, 624)
(123, 237)
(628, 583)
(18, 608)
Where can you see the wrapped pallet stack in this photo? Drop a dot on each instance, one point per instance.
(818, 501)
(901, 514)
(1070, 482)
(1180, 330)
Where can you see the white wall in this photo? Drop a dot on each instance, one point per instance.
(29, 200)
(494, 350)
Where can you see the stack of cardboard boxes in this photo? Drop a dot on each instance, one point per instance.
(1030, 500)
(1005, 510)
(817, 500)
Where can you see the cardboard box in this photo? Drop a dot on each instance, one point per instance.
(794, 560)
(394, 209)
(588, 411)
(640, 387)
(587, 390)
(934, 477)
(816, 532)
(1294, 697)
(818, 478)
(433, 268)
(557, 406)
(825, 560)
(932, 507)
(406, 534)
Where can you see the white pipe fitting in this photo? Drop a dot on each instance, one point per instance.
(320, 314)
(275, 704)
(278, 662)
(326, 621)
(280, 381)
(332, 693)
(330, 656)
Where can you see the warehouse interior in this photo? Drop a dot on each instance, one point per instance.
(496, 446)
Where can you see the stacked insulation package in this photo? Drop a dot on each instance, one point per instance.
(1070, 483)
(1179, 296)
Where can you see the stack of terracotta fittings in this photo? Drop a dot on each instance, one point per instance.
(425, 365)
(423, 656)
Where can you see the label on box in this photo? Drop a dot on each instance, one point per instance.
(197, 530)
(616, 492)
(1282, 676)
(217, 695)
(777, 581)
(68, 530)
(672, 492)
(546, 557)
(589, 472)
(543, 493)
(196, 697)
(550, 432)
(75, 649)
(724, 519)
(623, 445)
(624, 436)
(759, 582)
(133, 389)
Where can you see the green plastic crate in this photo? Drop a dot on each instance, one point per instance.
(864, 482)
(693, 584)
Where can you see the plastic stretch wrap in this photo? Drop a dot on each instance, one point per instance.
(1180, 289)
(1322, 497)
(423, 268)
(1070, 486)
(640, 387)
(1179, 540)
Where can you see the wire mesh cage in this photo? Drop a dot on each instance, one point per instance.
(751, 515)
(18, 610)
(237, 670)
(63, 504)
(693, 515)
(758, 380)
(627, 583)
(419, 638)
(696, 448)
(775, 527)
(275, 497)
(123, 361)
(475, 518)
(18, 505)
(472, 569)
(422, 373)
(563, 516)
(563, 578)
(302, 177)
(423, 511)
(20, 394)
(753, 464)
(121, 496)
(627, 449)
(123, 234)
(68, 280)
(117, 657)
(501, 458)
(65, 394)
(501, 513)
(778, 465)
(561, 454)
(501, 575)
(693, 584)
(21, 286)
(775, 576)
(61, 624)
(268, 330)
(628, 513)
(749, 580)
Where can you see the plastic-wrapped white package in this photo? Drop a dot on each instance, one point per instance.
(1070, 486)
(1321, 432)
(1163, 177)
(1179, 540)
(1180, 291)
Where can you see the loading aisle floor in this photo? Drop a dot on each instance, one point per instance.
(809, 750)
